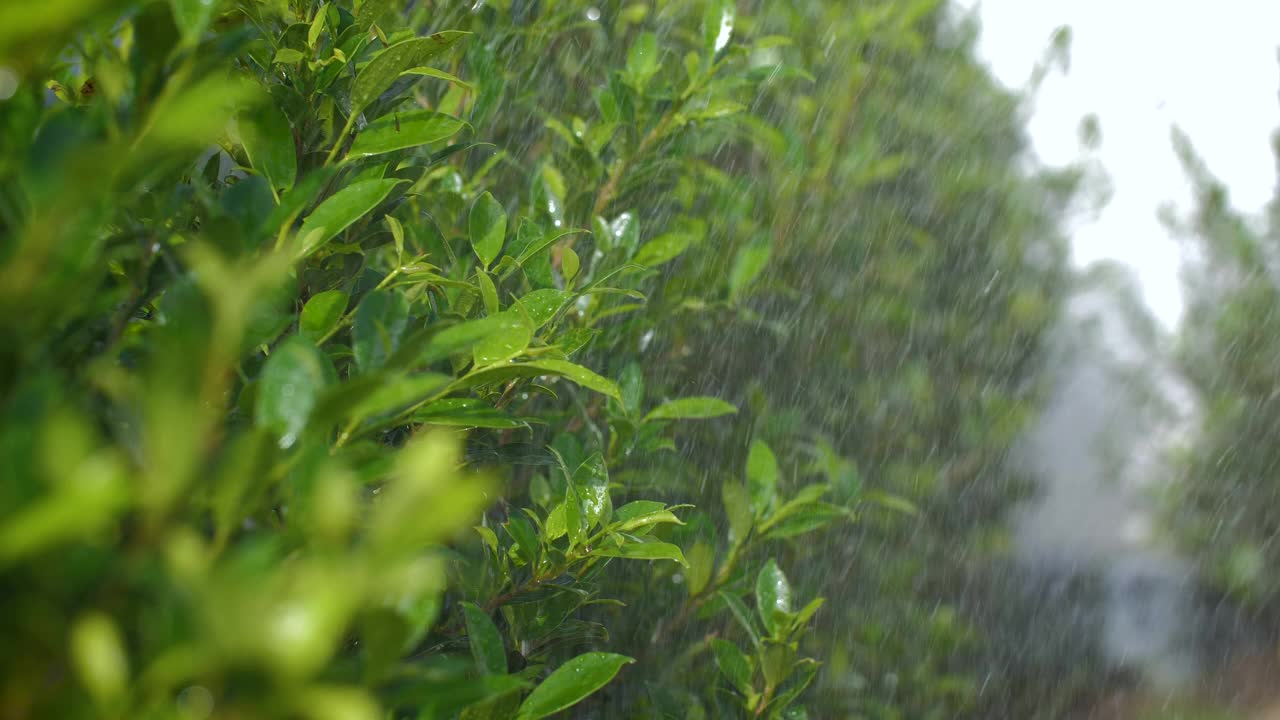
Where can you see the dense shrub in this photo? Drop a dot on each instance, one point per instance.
(264, 261)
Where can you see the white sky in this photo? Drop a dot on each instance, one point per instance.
(1142, 66)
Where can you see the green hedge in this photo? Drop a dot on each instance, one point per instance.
(364, 361)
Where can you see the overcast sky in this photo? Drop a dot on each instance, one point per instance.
(1142, 66)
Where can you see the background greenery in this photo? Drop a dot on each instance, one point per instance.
(488, 360)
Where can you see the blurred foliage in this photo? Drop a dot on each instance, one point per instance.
(1225, 510)
(263, 262)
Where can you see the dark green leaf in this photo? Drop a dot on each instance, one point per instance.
(486, 643)
(466, 412)
(380, 321)
(733, 664)
(268, 141)
(570, 683)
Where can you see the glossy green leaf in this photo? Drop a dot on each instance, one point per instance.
(574, 523)
(739, 611)
(717, 26)
(399, 392)
(643, 551)
(762, 477)
(691, 408)
(459, 338)
(571, 683)
(543, 304)
(342, 210)
(321, 314)
(439, 75)
(508, 340)
(399, 131)
(733, 664)
(388, 65)
(486, 643)
(288, 388)
(591, 480)
(577, 374)
(488, 228)
(569, 265)
(773, 593)
(288, 56)
(268, 141)
(371, 11)
(466, 412)
(380, 322)
(488, 292)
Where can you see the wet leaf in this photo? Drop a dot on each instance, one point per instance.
(268, 141)
(691, 408)
(644, 551)
(400, 131)
(733, 664)
(571, 683)
(341, 211)
(773, 594)
(288, 388)
(488, 228)
(762, 478)
(486, 644)
(380, 322)
(509, 339)
(388, 65)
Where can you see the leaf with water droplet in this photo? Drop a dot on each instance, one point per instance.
(487, 226)
(773, 594)
(291, 381)
(571, 683)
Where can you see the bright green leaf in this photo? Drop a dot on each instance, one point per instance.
(341, 210)
(487, 225)
(750, 261)
(321, 314)
(399, 131)
(762, 477)
(644, 551)
(733, 664)
(268, 141)
(773, 593)
(570, 683)
(291, 381)
(387, 66)
(691, 408)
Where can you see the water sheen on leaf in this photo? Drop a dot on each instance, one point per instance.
(291, 381)
(386, 66)
(487, 225)
(571, 683)
(342, 210)
(404, 130)
(773, 593)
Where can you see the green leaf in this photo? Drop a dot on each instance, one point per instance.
(291, 381)
(535, 368)
(192, 18)
(661, 249)
(543, 304)
(488, 292)
(804, 518)
(702, 562)
(433, 346)
(569, 264)
(399, 131)
(439, 75)
(466, 412)
(773, 594)
(381, 319)
(643, 551)
(288, 56)
(387, 66)
(717, 26)
(399, 392)
(733, 664)
(268, 141)
(570, 683)
(762, 478)
(321, 314)
(637, 509)
(642, 60)
(747, 266)
(317, 27)
(556, 526)
(591, 480)
(511, 338)
(487, 225)
(737, 507)
(526, 540)
(691, 408)
(739, 610)
(341, 210)
(371, 11)
(486, 642)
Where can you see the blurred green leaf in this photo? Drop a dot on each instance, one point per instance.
(291, 382)
(486, 643)
(488, 227)
(691, 408)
